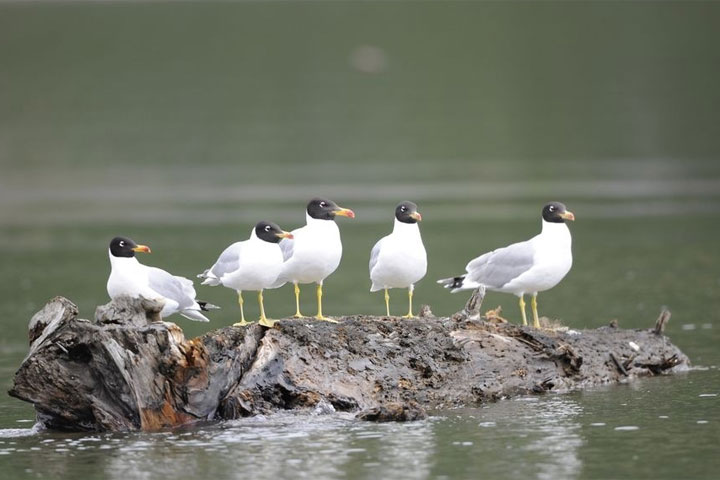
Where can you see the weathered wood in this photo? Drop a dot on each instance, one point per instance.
(662, 321)
(472, 306)
(620, 366)
(128, 370)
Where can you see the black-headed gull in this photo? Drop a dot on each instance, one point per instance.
(399, 260)
(529, 267)
(253, 264)
(132, 278)
(314, 252)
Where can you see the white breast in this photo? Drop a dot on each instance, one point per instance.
(402, 260)
(260, 265)
(317, 250)
(552, 260)
(128, 277)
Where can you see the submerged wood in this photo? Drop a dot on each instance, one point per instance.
(128, 370)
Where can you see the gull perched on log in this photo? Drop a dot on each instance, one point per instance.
(132, 278)
(253, 264)
(399, 260)
(315, 250)
(530, 267)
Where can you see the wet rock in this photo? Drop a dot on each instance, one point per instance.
(393, 412)
(128, 370)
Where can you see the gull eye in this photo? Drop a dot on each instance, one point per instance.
(267, 228)
(552, 208)
(402, 209)
(323, 204)
(122, 244)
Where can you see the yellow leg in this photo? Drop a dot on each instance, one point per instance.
(522, 309)
(387, 302)
(264, 321)
(533, 305)
(297, 302)
(410, 295)
(319, 315)
(242, 321)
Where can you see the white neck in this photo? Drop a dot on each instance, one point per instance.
(317, 221)
(403, 228)
(121, 260)
(556, 232)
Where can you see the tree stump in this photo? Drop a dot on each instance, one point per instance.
(129, 370)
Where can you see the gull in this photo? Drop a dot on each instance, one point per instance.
(314, 252)
(132, 278)
(253, 264)
(399, 260)
(530, 267)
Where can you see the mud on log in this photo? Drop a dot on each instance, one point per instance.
(128, 370)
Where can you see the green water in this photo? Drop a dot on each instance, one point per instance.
(182, 124)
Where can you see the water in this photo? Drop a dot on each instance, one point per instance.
(182, 124)
(557, 436)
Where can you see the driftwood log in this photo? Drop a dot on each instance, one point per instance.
(128, 370)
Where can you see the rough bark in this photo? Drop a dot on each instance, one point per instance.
(128, 370)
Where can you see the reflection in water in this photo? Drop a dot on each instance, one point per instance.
(18, 432)
(544, 432)
(557, 423)
(280, 446)
(551, 436)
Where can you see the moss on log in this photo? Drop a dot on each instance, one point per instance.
(128, 370)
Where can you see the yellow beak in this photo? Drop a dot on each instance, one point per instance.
(284, 234)
(345, 212)
(568, 215)
(416, 216)
(142, 249)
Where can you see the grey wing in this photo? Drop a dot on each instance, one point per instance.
(169, 286)
(229, 260)
(495, 269)
(287, 246)
(375, 254)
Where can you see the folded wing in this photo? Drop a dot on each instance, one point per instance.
(497, 268)
(178, 289)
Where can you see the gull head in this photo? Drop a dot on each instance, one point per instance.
(123, 247)
(324, 209)
(407, 212)
(555, 212)
(270, 232)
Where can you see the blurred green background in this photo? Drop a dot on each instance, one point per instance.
(181, 124)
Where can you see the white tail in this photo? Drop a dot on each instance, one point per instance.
(194, 315)
(209, 278)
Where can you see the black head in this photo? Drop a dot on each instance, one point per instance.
(555, 212)
(324, 209)
(125, 247)
(270, 232)
(406, 212)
